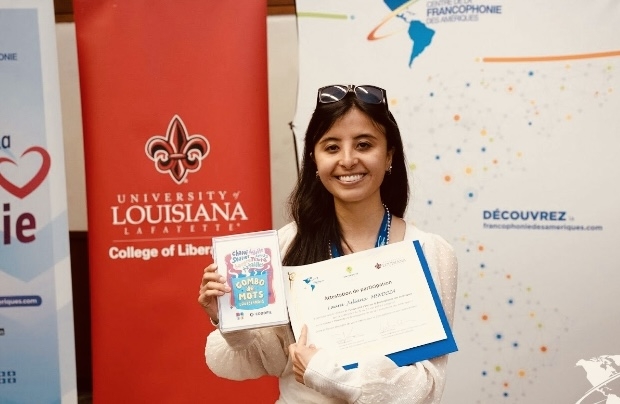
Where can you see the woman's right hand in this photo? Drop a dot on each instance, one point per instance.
(213, 285)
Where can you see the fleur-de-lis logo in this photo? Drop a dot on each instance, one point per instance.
(177, 153)
(349, 269)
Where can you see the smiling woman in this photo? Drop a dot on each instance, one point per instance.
(350, 196)
(354, 148)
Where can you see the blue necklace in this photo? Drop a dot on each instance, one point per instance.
(383, 238)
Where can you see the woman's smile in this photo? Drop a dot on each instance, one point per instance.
(350, 178)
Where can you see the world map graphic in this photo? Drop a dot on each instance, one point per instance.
(603, 373)
(420, 34)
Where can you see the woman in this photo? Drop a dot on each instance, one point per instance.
(351, 196)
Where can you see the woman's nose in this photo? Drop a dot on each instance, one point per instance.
(349, 159)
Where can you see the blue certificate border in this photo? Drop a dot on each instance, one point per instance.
(433, 349)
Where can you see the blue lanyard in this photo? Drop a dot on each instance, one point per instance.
(382, 237)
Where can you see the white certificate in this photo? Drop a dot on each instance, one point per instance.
(378, 301)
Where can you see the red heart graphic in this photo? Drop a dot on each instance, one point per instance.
(22, 192)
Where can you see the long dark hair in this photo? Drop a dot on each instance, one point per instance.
(312, 206)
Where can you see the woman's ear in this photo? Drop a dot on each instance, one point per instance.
(388, 161)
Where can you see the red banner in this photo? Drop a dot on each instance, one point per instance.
(174, 98)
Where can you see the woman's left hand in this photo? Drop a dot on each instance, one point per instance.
(301, 354)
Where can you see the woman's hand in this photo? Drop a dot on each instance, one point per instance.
(301, 354)
(213, 285)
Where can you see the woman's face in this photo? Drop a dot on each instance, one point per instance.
(352, 158)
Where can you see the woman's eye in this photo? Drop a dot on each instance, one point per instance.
(331, 148)
(364, 145)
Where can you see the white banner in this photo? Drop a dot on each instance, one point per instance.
(509, 114)
(37, 353)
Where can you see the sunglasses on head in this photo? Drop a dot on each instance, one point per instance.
(365, 93)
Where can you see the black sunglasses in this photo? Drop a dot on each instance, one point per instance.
(366, 93)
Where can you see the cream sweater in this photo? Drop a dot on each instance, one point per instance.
(254, 353)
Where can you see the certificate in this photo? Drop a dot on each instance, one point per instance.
(380, 301)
